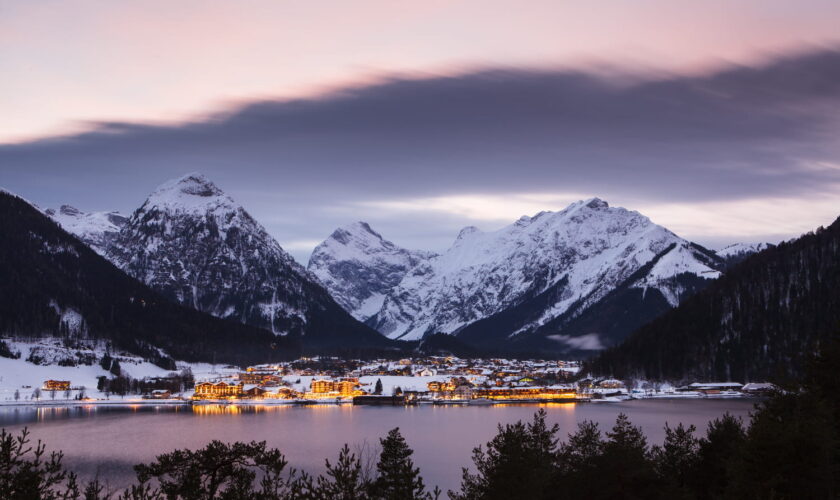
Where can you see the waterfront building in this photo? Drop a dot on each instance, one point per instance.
(218, 390)
(56, 385)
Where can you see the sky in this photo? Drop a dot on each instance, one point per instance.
(716, 119)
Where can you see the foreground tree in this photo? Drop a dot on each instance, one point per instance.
(715, 455)
(577, 472)
(28, 472)
(519, 463)
(219, 470)
(343, 480)
(625, 463)
(676, 460)
(397, 478)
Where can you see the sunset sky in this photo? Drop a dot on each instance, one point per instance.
(717, 119)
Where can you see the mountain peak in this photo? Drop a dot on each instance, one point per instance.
(193, 184)
(359, 232)
(466, 232)
(359, 267)
(190, 192)
(69, 210)
(362, 227)
(596, 203)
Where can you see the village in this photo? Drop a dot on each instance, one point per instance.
(428, 380)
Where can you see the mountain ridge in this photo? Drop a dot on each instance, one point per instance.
(525, 260)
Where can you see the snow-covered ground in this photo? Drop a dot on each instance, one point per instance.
(24, 376)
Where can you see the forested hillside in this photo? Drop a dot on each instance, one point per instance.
(761, 320)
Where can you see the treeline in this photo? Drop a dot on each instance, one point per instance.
(238, 471)
(790, 449)
(760, 321)
(122, 384)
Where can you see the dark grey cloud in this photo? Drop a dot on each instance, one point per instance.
(736, 133)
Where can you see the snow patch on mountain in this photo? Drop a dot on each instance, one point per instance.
(681, 259)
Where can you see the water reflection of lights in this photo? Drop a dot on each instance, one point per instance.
(234, 409)
(203, 410)
(45, 413)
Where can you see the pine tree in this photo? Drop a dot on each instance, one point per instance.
(397, 478)
(378, 387)
(724, 439)
(626, 466)
(105, 362)
(344, 479)
(676, 461)
(578, 473)
(519, 463)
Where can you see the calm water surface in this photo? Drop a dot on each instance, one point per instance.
(109, 440)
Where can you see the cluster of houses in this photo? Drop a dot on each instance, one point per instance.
(440, 380)
(276, 388)
(433, 379)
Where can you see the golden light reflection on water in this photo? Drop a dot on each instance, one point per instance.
(44, 414)
(234, 409)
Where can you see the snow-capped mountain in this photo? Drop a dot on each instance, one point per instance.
(559, 263)
(196, 245)
(360, 268)
(96, 229)
(54, 285)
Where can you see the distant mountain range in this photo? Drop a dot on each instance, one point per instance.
(568, 282)
(576, 280)
(761, 320)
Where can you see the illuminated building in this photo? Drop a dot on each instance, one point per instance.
(323, 388)
(218, 390)
(521, 393)
(56, 385)
(257, 377)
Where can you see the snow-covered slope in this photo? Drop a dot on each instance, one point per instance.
(580, 253)
(193, 243)
(740, 250)
(96, 229)
(359, 267)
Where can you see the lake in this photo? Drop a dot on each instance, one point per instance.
(108, 440)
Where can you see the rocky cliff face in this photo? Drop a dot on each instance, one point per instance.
(359, 267)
